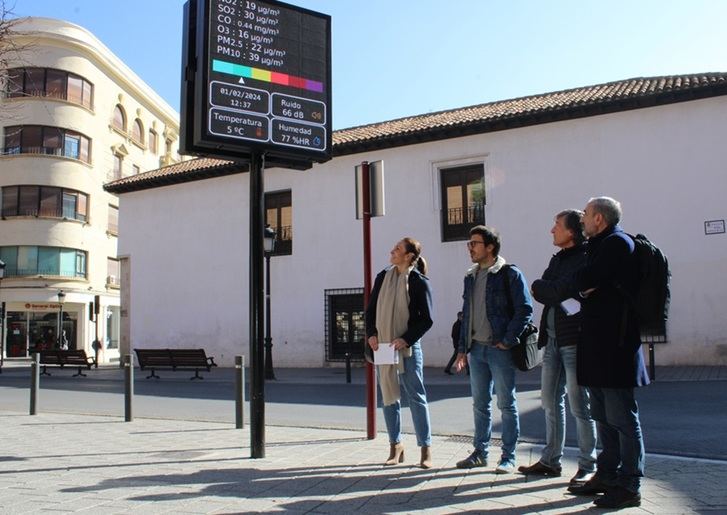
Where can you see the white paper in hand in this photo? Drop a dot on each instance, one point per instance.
(570, 306)
(386, 354)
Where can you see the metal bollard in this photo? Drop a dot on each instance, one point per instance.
(129, 387)
(348, 367)
(34, 383)
(239, 391)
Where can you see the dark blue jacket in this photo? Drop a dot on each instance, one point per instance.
(609, 351)
(554, 287)
(420, 307)
(505, 329)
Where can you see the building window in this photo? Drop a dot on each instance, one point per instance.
(135, 169)
(463, 200)
(113, 220)
(137, 132)
(153, 142)
(44, 201)
(51, 261)
(51, 83)
(279, 215)
(50, 141)
(113, 273)
(118, 166)
(119, 120)
(345, 324)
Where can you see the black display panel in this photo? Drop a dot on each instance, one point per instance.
(256, 78)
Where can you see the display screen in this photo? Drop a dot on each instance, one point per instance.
(268, 76)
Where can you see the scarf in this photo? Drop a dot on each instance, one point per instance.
(392, 319)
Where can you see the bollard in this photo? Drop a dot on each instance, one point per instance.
(129, 384)
(348, 367)
(239, 391)
(34, 383)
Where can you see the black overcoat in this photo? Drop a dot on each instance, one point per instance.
(609, 351)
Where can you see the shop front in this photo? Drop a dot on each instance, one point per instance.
(38, 326)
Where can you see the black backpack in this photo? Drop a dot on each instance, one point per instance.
(652, 297)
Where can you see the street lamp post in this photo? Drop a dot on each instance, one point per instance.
(269, 247)
(2, 320)
(61, 300)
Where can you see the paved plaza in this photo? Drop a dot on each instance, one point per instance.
(60, 463)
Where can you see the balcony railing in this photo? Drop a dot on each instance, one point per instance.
(457, 222)
(44, 213)
(14, 271)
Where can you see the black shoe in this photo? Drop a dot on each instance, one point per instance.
(591, 487)
(476, 459)
(581, 477)
(540, 469)
(448, 372)
(618, 497)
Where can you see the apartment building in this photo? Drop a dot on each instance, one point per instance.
(73, 117)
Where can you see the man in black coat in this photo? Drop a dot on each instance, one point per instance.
(610, 363)
(559, 334)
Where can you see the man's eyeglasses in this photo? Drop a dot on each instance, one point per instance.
(472, 243)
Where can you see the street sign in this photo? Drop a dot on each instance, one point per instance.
(256, 77)
(376, 190)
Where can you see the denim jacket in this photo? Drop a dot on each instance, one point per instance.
(504, 329)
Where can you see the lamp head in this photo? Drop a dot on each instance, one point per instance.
(61, 296)
(269, 239)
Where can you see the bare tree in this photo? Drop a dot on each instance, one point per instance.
(11, 50)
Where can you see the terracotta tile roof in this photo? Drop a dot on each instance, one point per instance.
(506, 114)
(572, 103)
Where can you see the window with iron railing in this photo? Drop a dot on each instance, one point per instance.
(113, 222)
(279, 215)
(463, 200)
(44, 201)
(117, 169)
(50, 83)
(49, 141)
(23, 261)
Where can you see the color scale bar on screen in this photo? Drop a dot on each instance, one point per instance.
(248, 72)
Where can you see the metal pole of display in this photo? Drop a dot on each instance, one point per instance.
(34, 383)
(370, 371)
(239, 392)
(257, 364)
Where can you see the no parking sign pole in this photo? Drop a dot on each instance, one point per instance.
(369, 202)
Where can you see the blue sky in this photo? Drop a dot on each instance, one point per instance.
(396, 58)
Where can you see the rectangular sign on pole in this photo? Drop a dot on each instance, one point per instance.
(256, 77)
(376, 190)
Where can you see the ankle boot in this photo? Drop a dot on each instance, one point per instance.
(396, 454)
(426, 461)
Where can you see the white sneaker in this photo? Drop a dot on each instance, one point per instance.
(505, 467)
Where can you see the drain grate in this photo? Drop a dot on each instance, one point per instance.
(468, 439)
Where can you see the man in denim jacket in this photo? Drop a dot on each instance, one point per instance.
(488, 333)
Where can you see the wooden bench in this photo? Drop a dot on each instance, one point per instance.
(174, 359)
(63, 358)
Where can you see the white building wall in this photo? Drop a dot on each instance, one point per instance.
(189, 252)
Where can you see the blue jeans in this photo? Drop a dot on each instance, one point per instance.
(558, 376)
(491, 367)
(617, 418)
(411, 382)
